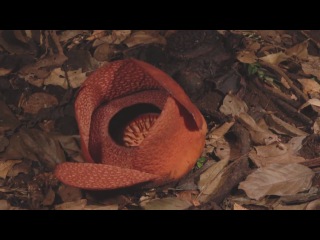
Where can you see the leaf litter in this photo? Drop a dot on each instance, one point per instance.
(263, 137)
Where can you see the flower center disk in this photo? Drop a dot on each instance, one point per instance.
(136, 131)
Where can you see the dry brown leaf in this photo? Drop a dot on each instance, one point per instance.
(144, 37)
(258, 134)
(233, 105)
(97, 34)
(37, 101)
(70, 144)
(35, 145)
(277, 179)
(24, 167)
(188, 195)
(77, 205)
(57, 78)
(210, 179)
(290, 207)
(312, 66)
(4, 71)
(5, 167)
(309, 85)
(316, 126)
(264, 156)
(272, 36)
(99, 207)
(314, 102)
(314, 205)
(299, 50)
(103, 52)
(275, 58)
(170, 203)
(246, 57)
(69, 194)
(69, 34)
(117, 36)
(237, 206)
(282, 127)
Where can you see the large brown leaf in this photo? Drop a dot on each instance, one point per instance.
(277, 179)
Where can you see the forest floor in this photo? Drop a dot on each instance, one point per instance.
(259, 92)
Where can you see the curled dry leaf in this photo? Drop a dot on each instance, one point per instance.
(258, 134)
(277, 179)
(316, 126)
(314, 102)
(6, 166)
(210, 180)
(314, 205)
(37, 101)
(299, 50)
(23, 167)
(275, 58)
(170, 203)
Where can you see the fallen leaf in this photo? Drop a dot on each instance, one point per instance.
(309, 85)
(99, 207)
(37, 101)
(282, 127)
(103, 52)
(69, 194)
(312, 66)
(314, 205)
(222, 149)
(291, 207)
(23, 167)
(237, 206)
(275, 58)
(170, 203)
(5, 167)
(144, 37)
(233, 105)
(277, 179)
(272, 36)
(35, 145)
(69, 34)
(210, 179)
(77, 205)
(264, 156)
(246, 57)
(70, 144)
(57, 78)
(4, 71)
(117, 36)
(258, 134)
(97, 34)
(188, 195)
(299, 50)
(316, 126)
(314, 102)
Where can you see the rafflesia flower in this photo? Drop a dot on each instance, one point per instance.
(136, 125)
